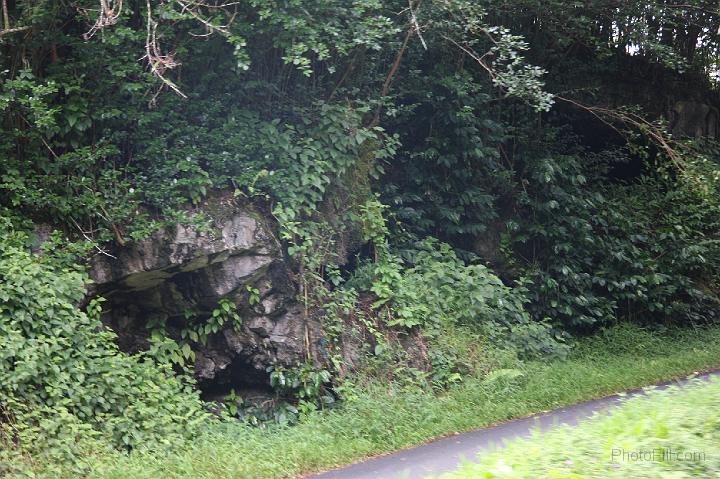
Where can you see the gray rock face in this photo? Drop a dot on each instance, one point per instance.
(177, 278)
(694, 120)
(186, 250)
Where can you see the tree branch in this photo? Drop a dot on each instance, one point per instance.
(13, 30)
(628, 118)
(391, 74)
(6, 16)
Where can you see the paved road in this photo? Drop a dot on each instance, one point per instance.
(446, 454)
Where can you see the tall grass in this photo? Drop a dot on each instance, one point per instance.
(386, 417)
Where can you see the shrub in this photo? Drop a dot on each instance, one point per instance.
(597, 251)
(439, 290)
(61, 374)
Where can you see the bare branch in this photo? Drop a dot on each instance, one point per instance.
(414, 21)
(52, 152)
(109, 15)
(90, 240)
(348, 70)
(186, 8)
(159, 63)
(606, 115)
(13, 30)
(472, 54)
(6, 21)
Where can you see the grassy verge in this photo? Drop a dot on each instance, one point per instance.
(668, 434)
(384, 417)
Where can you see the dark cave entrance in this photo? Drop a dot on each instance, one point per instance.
(173, 302)
(603, 138)
(240, 376)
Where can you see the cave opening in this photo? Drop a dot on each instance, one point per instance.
(607, 141)
(240, 377)
(172, 302)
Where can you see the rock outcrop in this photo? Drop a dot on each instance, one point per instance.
(179, 275)
(694, 120)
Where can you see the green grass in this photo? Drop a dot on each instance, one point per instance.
(669, 434)
(385, 418)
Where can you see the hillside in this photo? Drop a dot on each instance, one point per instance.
(221, 214)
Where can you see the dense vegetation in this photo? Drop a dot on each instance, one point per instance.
(519, 173)
(381, 417)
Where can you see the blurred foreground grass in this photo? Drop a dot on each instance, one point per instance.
(669, 434)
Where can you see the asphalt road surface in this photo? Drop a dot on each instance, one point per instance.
(444, 455)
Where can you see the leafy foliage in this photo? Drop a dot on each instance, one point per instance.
(62, 375)
(447, 180)
(598, 252)
(439, 291)
(364, 127)
(384, 416)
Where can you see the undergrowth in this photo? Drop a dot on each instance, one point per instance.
(383, 416)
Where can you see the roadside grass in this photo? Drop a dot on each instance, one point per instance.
(386, 417)
(668, 434)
